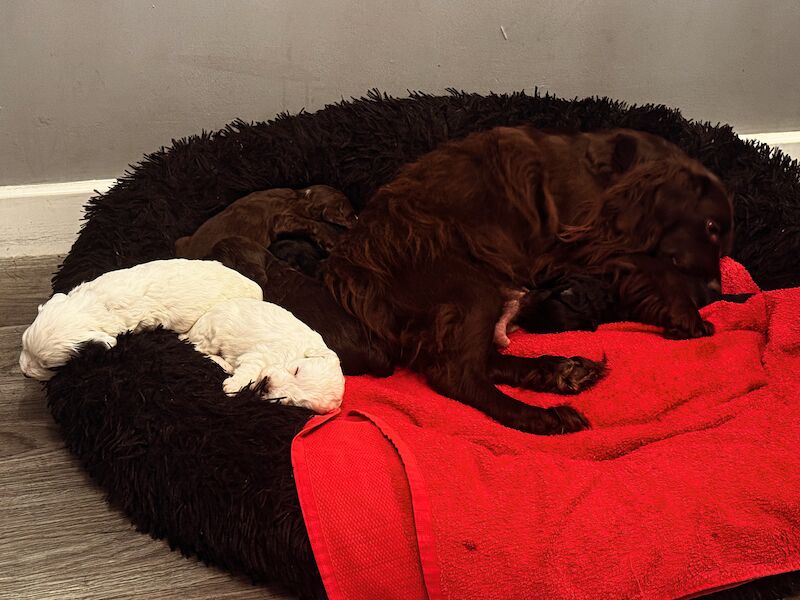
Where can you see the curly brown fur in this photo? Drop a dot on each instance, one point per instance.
(318, 212)
(425, 266)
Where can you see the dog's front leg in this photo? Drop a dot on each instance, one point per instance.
(656, 293)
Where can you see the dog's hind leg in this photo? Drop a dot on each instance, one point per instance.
(476, 390)
(456, 364)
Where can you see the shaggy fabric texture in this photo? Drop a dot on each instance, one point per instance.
(213, 475)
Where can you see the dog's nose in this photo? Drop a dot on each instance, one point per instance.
(714, 285)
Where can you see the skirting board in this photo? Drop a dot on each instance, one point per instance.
(788, 141)
(43, 219)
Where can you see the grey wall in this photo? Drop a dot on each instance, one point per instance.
(88, 86)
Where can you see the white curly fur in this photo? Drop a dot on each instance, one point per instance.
(171, 293)
(255, 340)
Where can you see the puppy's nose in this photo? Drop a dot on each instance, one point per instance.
(714, 285)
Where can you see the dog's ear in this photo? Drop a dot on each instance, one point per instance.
(636, 213)
(606, 157)
(625, 152)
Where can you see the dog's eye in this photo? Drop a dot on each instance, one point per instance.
(713, 230)
(296, 371)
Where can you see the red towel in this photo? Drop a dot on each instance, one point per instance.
(688, 482)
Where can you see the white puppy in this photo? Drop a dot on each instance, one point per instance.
(254, 341)
(171, 293)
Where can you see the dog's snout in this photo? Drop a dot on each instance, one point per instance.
(714, 285)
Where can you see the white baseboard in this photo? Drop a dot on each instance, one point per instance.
(42, 219)
(788, 141)
(774, 138)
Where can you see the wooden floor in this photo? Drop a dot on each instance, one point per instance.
(58, 537)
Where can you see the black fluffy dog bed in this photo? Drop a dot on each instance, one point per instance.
(212, 475)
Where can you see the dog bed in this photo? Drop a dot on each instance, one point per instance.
(213, 475)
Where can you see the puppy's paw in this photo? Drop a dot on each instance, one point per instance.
(100, 337)
(221, 362)
(235, 384)
(577, 373)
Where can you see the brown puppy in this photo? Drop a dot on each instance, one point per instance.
(580, 302)
(315, 212)
(308, 300)
(425, 265)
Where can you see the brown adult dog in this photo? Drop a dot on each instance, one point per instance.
(263, 216)
(426, 263)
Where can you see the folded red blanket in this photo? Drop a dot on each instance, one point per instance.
(688, 482)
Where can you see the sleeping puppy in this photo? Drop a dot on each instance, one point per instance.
(299, 253)
(318, 212)
(310, 301)
(261, 344)
(582, 302)
(168, 293)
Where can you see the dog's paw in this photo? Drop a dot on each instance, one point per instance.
(689, 327)
(567, 420)
(577, 373)
(556, 420)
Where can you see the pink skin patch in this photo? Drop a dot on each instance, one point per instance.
(510, 310)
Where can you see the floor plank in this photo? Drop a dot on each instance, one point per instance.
(24, 284)
(58, 536)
